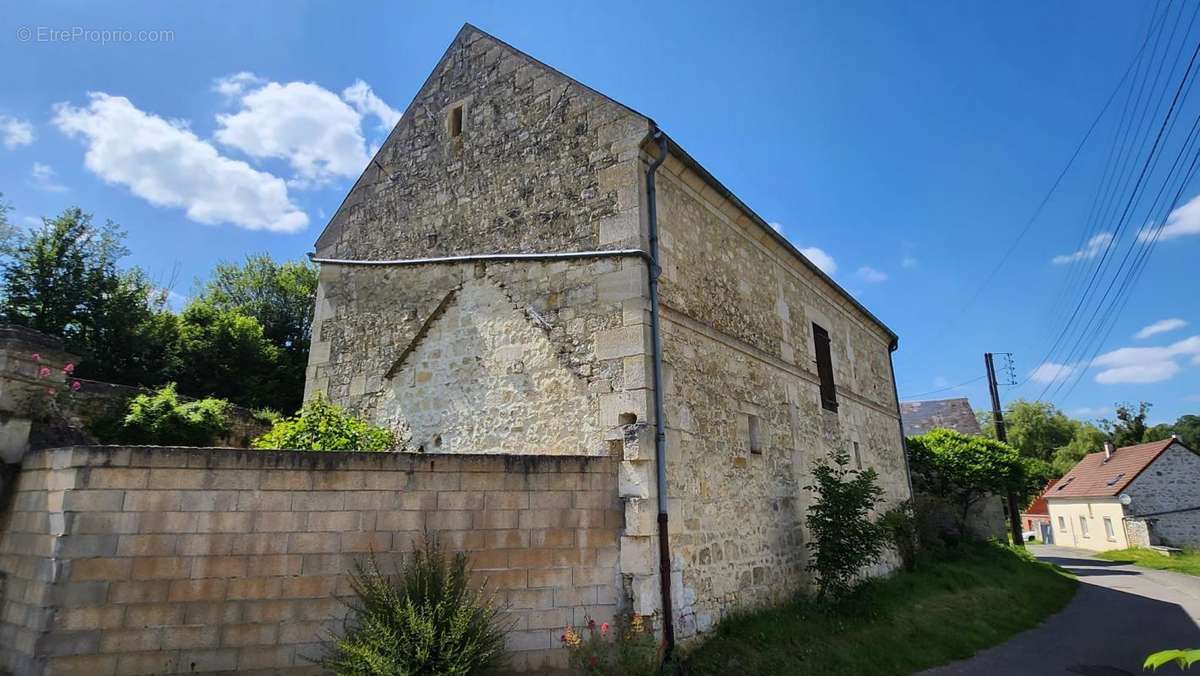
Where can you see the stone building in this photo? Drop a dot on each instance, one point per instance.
(484, 289)
(1133, 496)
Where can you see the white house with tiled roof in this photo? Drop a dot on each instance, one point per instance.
(1142, 495)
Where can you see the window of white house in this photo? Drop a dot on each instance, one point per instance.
(1062, 524)
(1083, 526)
(1108, 529)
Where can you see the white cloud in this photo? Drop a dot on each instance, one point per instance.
(45, 178)
(870, 274)
(820, 259)
(15, 132)
(169, 166)
(1148, 373)
(234, 85)
(318, 134)
(1145, 364)
(1089, 411)
(1050, 372)
(1183, 221)
(366, 103)
(777, 226)
(1090, 250)
(1161, 326)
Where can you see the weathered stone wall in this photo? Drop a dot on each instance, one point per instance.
(542, 164)
(745, 422)
(156, 560)
(1170, 483)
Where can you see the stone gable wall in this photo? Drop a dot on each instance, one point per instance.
(157, 560)
(1172, 482)
(543, 164)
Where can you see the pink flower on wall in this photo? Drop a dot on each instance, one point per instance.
(69, 368)
(51, 391)
(36, 356)
(44, 371)
(75, 386)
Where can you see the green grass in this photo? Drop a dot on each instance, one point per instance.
(1187, 562)
(944, 611)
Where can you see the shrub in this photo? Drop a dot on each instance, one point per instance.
(630, 649)
(322, 426)
(900, 525)
(426, 619)
(161, 419)
(844, 540)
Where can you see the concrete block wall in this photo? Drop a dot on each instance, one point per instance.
(160, 560)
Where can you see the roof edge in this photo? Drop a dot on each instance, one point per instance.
(674, 148)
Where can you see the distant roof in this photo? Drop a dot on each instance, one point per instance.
(1039, 506)
(921, 416)
(1094, 477)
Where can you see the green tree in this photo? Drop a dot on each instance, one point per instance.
(1036, 429)
(62, 279)
(844, 539)
(1130, 427)
(1088, 439)
(223, 353)
(161, 419)
(322, 426)
(281, 296)
(963, 469)
(1188, 429)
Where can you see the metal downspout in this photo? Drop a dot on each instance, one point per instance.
(900, 421)
(660, 432)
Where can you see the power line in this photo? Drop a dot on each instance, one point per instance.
(944, 389)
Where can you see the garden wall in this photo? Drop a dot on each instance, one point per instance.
(174, 560)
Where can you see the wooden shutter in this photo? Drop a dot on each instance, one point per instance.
(825, 368)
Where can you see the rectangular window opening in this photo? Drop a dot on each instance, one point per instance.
(857, 456)
(1083, 528)
(456, 121)
(1062, 524)
(825, 368)
(1109, 532)
(756, 434)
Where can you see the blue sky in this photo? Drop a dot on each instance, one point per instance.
(908, 142)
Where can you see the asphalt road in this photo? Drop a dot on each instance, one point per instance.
(1120, 615)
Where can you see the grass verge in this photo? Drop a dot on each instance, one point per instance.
(1187, 562)
(946, 610)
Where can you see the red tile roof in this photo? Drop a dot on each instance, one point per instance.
(1038, 506)
(1094, 477)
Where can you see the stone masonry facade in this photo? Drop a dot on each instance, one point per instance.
(157, 561)
(1171, 484)
(427, 323)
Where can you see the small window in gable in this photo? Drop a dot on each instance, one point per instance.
(756, 434)
(825, 368)
(857, 455)
(455, 122)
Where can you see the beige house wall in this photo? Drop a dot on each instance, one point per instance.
(1065, 515)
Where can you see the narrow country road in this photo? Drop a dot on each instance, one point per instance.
(1119, 615)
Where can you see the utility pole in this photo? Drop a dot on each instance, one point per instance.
(1014, 516)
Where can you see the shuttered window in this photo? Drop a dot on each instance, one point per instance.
(825, 368)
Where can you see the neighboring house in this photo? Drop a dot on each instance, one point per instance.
(1141, 495)
(987, 517)
(952, 414)
(1036, 517)
(483, 290)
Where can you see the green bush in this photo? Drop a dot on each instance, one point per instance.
(160, 419)
(322, 426)
(426, 619)
(900, 525)
(844, 539)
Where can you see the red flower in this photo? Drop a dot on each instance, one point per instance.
(75, 385)
(35, 356)
(604, 628)
(69, 368)
(44, 371)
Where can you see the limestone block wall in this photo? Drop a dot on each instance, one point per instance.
(514, 357)
(744, 417)
(1170, 484)
(156, 560)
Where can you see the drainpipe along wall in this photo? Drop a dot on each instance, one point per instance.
(660, 433)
